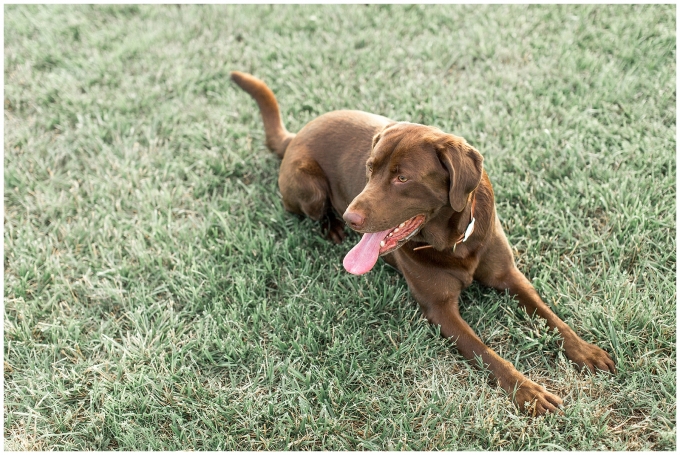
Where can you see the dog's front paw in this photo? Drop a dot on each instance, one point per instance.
(590, 356)
(534, 399)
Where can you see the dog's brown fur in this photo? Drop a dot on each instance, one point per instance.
(350, 161)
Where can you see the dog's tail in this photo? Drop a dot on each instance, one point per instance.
(278, 137)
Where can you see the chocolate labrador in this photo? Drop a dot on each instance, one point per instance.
(422, 201)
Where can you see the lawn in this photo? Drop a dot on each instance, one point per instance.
(158, 296)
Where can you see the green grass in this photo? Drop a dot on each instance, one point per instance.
(158, 296)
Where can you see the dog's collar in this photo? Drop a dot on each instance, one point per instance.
(468, 230)
(471, 226)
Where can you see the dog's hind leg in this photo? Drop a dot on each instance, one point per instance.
(334, 227)
(305, 191)
(304, 188)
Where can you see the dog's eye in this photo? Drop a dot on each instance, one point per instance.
(370, 168)
(402, 179)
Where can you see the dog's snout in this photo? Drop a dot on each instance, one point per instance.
(354, 219)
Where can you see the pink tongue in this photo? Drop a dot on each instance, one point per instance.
(365, 254)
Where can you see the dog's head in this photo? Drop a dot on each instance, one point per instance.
(413, 172)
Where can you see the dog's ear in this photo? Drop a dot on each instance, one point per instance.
(376, 138)
(379, 135)
(464, 164)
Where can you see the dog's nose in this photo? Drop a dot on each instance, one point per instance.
(355, 220)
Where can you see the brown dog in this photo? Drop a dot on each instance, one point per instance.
(424, 202)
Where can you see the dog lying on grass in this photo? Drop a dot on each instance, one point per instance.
(422, 201)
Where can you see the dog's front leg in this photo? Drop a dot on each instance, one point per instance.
(437, 294)
(497, 269)
(583, 354)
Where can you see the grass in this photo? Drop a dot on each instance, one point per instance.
(158, 296)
